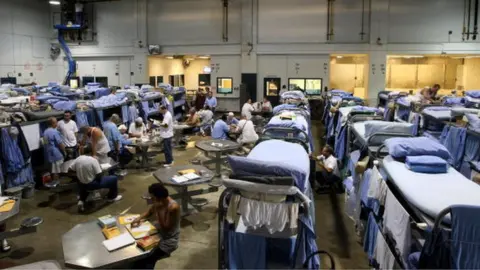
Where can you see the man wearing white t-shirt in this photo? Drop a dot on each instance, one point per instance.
(246, 129)
(166, 132)
(247, 109)
(137, 129)
(68, 128)
(328, 165)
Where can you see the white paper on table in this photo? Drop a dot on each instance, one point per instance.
(179, 179)
(142, 228)
(191, 176)
(117, 242)
(105, 166)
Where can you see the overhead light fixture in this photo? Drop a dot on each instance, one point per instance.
(54, 2)
(406, 56)
(169, 57)
(339, 56)
(204, 57)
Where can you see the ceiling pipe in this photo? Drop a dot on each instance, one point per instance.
(475, 21)
(469, 18)
(225, 20)
(464, 19)
(362, 32)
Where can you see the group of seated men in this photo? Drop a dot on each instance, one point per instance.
(111, 143)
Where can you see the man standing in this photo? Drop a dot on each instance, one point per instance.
(211, 101)
(247, 109)
(166, 132)
(100, 145)
(112, 134)
(68, 128)
(54, 147)
(89, 174)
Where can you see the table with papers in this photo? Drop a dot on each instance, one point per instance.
(218, 147)
(85, 246)
(170, 176)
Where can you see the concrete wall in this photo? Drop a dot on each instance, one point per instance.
(25, 34)
(259, 31)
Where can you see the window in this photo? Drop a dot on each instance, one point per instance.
(224, 85)
(309, 86)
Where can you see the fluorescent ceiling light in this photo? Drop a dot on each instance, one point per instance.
(169, 57)
(204, 57)
(54, 2)
(339, 56)
(406, 56)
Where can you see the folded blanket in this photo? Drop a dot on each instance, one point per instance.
(426, 164)
(473, 93)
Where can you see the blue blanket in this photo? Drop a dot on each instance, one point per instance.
(426, 164)
(473, 93)
(403, 147)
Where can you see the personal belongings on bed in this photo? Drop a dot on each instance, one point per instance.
(273, 216)
(143, 230)
(426, 164)
(402, 147)
(287, 116)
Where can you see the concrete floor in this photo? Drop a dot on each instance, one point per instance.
(198, 238)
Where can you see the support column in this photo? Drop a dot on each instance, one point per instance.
(377, 65)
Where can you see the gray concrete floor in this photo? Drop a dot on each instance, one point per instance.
(198, 238)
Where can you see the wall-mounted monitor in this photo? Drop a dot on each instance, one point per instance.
(224, 85)
(10, 80)
(312, 86)
(102, 80)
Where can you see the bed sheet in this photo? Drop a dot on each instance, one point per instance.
(459, 111)
(403, 101)
(439, 113)
(432, 193)
(283, 153)
(359, 130)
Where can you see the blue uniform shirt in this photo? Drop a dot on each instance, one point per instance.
(234, 121)
(220, 130)
(112, 134)
(52, 143)
(211, 102)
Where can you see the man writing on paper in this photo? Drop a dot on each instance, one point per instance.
(167, 213)
(137, 129)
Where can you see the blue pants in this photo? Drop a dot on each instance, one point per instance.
(109, 182)
(167, 150)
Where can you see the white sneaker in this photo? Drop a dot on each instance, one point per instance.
(118, 198)
(80, 206)
(168, 165)
(5, 245)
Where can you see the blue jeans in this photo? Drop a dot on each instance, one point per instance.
(167, 150)
(109, 182)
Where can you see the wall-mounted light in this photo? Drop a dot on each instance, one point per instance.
(204, 57)
(54, 2)
(339, 56)
(406, 56)
(169, 57)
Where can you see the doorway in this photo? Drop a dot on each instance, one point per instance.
(272, 90)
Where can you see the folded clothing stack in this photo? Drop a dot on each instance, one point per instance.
(426, 164)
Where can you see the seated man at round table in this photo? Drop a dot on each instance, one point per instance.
(167, 214)
(137, 129)
(231, 120)
(193, 121)
(246, 129)
(90, 177)
(221, 129)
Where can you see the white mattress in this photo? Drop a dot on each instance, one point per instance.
(432, 193)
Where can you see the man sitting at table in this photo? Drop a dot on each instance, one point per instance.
(220, 129)
(137, 129)
(89, 174)
(167, 214)
(246, 129)
(193, 121)
(206, 116)
(231, 120)
(114, 140)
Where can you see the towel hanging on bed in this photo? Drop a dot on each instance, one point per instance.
(454, 141)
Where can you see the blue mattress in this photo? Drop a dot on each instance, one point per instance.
(299, 123)
(432, 193)
(439, 113)
(277, 151)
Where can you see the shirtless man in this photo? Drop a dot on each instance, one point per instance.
(167, 213)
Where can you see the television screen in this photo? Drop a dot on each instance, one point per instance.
(224, 85)
(313, 86)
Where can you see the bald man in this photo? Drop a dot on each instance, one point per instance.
(55, 149)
